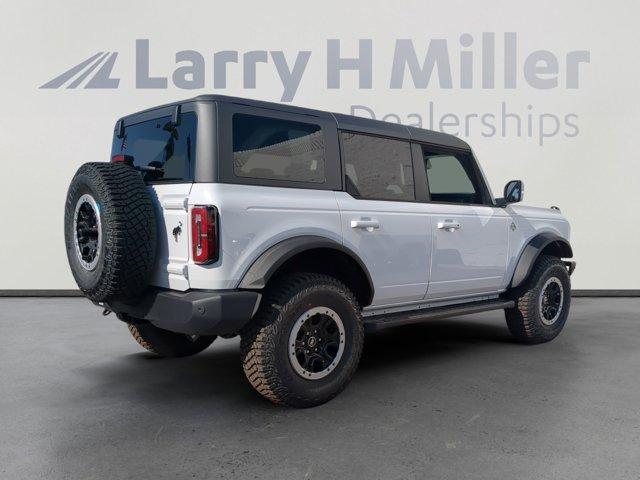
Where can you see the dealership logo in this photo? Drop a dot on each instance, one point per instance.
(423, 67)
(486, 62)
(79, 73)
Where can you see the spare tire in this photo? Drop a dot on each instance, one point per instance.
(110, 231)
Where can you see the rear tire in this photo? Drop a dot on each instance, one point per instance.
(542, 303)
(168, 344)
(304, 344)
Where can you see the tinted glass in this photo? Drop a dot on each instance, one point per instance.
(378, 168)
(452, 178)
(275, 149)
(164, 152)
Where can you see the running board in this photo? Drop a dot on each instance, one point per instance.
(373, 324)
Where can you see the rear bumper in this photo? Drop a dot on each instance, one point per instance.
(194, 312)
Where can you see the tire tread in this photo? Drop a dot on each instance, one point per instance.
(129, 230)
(163, 342)
(258, 341)
(523, 320)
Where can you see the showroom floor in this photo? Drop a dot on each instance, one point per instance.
(449, 399)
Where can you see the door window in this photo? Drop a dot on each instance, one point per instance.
(452, 178)
(277, 149)
(378, 168)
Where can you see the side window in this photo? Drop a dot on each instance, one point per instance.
(452, 178)
(378, 168)
(165, 152)
(276, 149)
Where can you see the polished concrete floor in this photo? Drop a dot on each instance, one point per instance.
(449, 399)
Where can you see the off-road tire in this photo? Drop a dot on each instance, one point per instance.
(168, 344)
(265, 341)
(128, 228)
(525, 321)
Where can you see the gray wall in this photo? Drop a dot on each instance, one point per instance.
(586, 163)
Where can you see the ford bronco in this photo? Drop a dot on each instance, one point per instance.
(299, 230)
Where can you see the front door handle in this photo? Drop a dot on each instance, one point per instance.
(369, 224)
(449, 225)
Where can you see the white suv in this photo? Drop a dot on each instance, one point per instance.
(298, 230)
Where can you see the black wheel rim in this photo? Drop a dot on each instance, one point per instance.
(551, 301)
(316, 343)
(87, 232)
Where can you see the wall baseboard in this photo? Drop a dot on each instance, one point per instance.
(606, 293)
(77, 293)
(40, 293)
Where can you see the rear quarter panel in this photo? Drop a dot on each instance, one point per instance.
(252, 219)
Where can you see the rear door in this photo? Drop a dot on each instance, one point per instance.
(381, 219)
(165, 155)
(470, 235)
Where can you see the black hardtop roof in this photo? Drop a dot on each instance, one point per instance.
(344, 122)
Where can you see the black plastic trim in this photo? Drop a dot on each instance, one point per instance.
(194, 312)
(268, 263)
(532, 251)
(373, 324)
(420, 181)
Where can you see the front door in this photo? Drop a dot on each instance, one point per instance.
(470, 235)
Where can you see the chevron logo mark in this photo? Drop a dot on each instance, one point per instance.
(83, 73)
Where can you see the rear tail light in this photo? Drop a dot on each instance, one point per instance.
(204, 234)
(128, 159)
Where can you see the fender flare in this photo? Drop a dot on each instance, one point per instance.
(532, 251)
(263, 268)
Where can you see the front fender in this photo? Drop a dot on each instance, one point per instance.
(532, 251)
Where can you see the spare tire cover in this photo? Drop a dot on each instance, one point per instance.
(110, 231)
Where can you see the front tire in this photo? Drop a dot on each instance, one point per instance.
(304, 344)
(542, 303)
(168, 344)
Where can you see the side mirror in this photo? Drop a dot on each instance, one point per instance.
(514, 191)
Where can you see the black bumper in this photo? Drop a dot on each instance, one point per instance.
(195, 312)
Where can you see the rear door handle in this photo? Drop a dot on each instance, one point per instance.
(366, 224)
(449, 225)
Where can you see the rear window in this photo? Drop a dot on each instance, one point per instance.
(163, 152)
(276, 149)
(378, 168)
